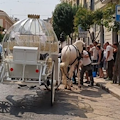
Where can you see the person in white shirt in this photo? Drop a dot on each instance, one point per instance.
(86, 67)
(109, 59)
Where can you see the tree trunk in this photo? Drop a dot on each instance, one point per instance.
(92, 37)
(117, 67)
(71, 37)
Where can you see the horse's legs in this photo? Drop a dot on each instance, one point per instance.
(64, 76)
(64, 73)
(72, 68)
(78, 76)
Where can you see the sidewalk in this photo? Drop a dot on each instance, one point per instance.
(108, 86)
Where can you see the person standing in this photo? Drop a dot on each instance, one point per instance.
(105, 66)
(115, 50)
(86, 67)
(110, 60)
(88, 50)
(100, 61)
(94, 53)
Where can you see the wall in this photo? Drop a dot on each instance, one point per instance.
(105, 35)
(5, 20)
(1, 22)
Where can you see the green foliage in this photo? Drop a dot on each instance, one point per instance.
(1, 28)
(108, 19)
(97, 17)
(84, 18)
(104, 16)
(1, 37)
(67, 18)
(63, 17)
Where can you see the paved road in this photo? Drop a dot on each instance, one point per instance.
(34, 104)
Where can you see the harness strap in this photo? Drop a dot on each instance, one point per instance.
(78, 55)
(77, 58)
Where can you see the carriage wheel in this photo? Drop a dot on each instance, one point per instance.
(3, 73)
(57, 83)
(52, 85)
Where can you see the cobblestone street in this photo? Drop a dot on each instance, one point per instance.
(86, 104)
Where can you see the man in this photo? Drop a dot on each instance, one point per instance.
(86, 67)
(94, 53)
(109, 59)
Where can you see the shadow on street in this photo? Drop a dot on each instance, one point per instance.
(65, 103)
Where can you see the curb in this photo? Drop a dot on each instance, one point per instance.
(103, 87)
(112, 89)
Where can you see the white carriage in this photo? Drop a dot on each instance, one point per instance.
(30, 54)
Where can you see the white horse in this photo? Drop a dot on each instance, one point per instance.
(70, 57)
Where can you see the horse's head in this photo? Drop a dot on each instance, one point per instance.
(79, 44)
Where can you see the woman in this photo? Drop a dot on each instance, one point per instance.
(105, 64)
(100, 60)
(115, 47)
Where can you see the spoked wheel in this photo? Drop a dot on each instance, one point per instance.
(3, 73)
(48, 86)
(53, 85)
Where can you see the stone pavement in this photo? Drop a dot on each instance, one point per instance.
(87, 103)
(108, 86)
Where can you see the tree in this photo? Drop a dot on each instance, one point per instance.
(108, 19)
(86, 18)
(1, 37)
(63, 17)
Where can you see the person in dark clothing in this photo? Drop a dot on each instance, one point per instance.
(100, 61)
(115, 49)
(110, 60)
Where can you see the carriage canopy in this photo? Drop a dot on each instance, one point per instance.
(31, 32)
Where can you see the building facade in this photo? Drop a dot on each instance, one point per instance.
(105, 35)
(5, 21)
(85, 3)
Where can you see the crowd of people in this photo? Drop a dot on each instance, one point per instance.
(98, 59)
